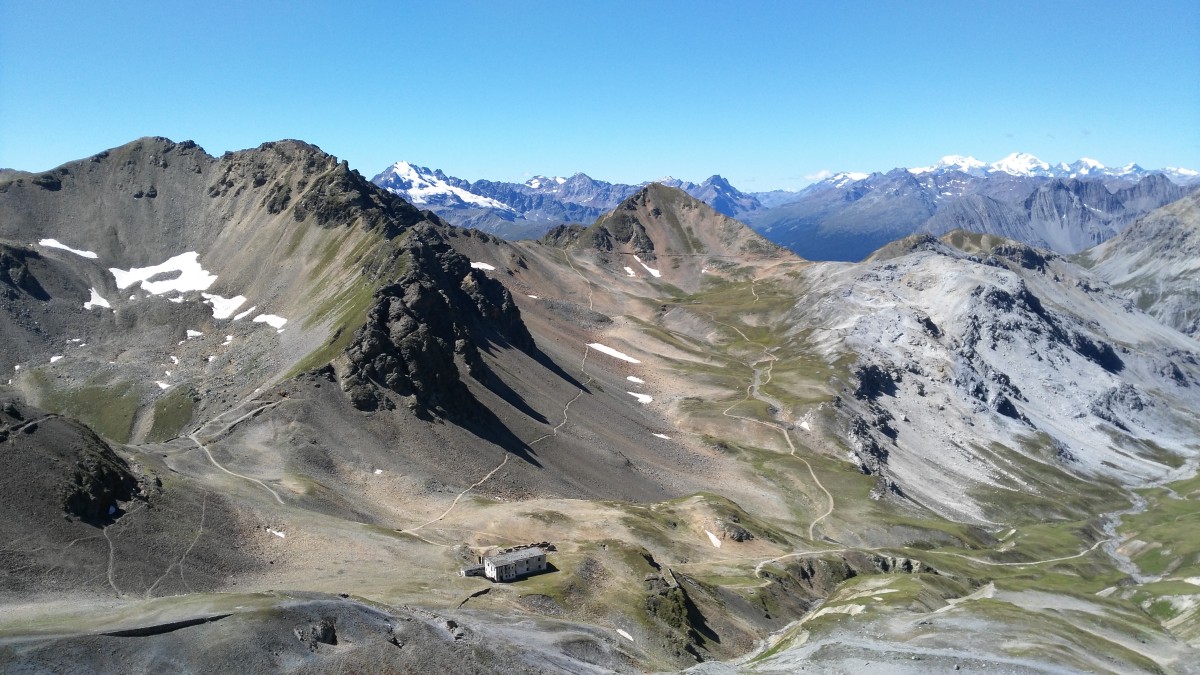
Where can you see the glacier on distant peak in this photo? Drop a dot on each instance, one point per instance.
(421, 186)
(540, 182)
(963, 163)
(1021, 164)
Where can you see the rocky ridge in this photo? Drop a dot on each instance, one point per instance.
(439, 311)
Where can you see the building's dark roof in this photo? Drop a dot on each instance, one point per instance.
(514, 556)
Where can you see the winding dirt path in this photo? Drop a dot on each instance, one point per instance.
(567, 255)
(182, 558)
(229, 426)
(217, 464)
(462, 494)
(753, 391)
(481, 481)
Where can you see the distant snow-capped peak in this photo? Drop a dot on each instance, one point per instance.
(541, 182)
(419, 185)
(963, 163)
(1021, 164)
(846, 177)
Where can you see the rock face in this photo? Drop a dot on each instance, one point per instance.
(1066, 216)
(974, 341)
(16, 276)
(439, 313)
(1156, 264)
(99, 480)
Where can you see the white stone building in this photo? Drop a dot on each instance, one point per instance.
(515, 564)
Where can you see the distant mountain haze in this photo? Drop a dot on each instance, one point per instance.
(1063, 207)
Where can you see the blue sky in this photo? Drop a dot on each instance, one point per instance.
(768, 94)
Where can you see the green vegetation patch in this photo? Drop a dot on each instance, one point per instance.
(108, 409)
(172, 412)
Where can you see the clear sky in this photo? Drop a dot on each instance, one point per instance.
(768, 94)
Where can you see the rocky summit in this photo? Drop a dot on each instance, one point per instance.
(260, 412)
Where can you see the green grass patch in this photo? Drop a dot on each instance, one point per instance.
(171, 413)
(1171, 520)
(108, 409)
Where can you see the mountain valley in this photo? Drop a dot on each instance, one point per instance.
(259, 411)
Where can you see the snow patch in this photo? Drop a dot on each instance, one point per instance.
(653, 272)
(534, 297)
(662, 436)
(713, 538)
(642, 398)
(638, 380)
(194, 333)
(629, 271)
(483, 266)
(271, 320)
(174, 359)
(378, 471)
(245, 314)
(162, 385)
(54, 243)
(277, 533)
(625, 635)
(191, 276)
(55, 359)
(852, 610)
(96, 301)
(223, 308)
(612, 352)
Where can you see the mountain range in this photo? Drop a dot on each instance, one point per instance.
(259, 412)
(529, 209)
(1064, 207)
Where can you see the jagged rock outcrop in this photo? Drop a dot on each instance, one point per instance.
(15, 275)
(563, 235)
(440, 313)
(49, 459)
(817, 577)
(99, 480)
